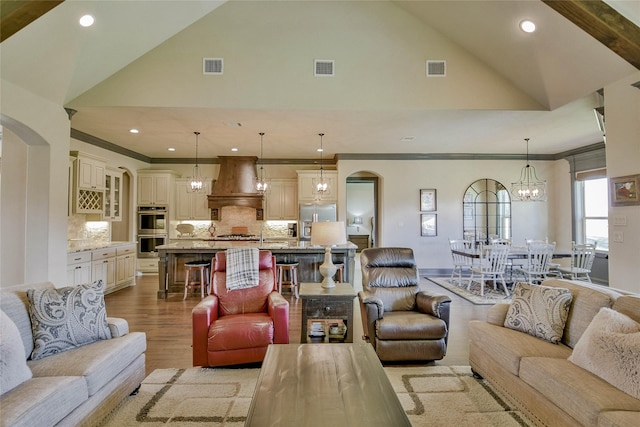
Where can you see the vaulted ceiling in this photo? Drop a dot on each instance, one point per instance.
(140, 66)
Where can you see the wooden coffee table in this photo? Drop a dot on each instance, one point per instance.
(324, 385)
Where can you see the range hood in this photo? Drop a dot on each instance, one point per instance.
(235, 185)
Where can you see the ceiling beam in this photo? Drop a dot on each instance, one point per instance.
(17, 14)
(604, 24)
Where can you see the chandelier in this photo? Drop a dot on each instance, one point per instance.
(529, 187)
(196, 182)
(262, 185)
(320, 186)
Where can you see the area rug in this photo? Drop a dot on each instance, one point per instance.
(491, 296)
(431, 396)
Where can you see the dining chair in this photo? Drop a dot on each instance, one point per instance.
(493, 264)
(582, 257)
(461, 263)
(537, 263)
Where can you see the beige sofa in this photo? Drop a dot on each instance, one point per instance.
(536, 376)
(76, 387)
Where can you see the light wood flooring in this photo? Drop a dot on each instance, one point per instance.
(168, 323)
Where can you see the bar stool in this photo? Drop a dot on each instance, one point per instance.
(193, 267)
(339, 272)
(287, 274)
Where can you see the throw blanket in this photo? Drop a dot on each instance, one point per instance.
(242, 268)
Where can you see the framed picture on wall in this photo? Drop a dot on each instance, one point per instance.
(623, 190)
(428, 200)
(428, 225)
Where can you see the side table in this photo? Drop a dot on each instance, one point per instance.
(321, 303)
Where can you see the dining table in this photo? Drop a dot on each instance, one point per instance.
(515, 252)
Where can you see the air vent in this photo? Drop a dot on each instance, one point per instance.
(212, 66)
(324, 67)
(436, 68)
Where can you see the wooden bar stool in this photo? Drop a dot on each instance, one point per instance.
(193, 267)
(287, 274)
(339, 272)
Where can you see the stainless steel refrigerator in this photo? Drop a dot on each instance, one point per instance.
(315, 212)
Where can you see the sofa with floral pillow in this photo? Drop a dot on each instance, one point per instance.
(565, 353)
(62, 360)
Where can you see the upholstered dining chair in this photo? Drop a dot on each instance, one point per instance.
(232, 327)
(401, 321)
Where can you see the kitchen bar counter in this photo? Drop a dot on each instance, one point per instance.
(172, 257)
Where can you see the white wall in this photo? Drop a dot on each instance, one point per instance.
(622, 111)
(43, 127)
(400, 184)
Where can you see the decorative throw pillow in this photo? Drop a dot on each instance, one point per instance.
(65, 318)
(13, 362)
(540, 311)
(610, 349)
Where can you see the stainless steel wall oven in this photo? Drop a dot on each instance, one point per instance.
(153, 220)
(153, 223)
(147, 244)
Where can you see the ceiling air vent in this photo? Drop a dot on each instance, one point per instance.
(324, 67)
(436, 68)
(212, 65)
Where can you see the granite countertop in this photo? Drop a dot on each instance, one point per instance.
(90, 246)
(205, 244)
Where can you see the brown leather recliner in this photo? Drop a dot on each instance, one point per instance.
(236, 327)
(402, 322)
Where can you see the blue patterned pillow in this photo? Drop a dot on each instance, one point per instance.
(541, 311)
(65, 318)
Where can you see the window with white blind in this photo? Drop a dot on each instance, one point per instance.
(592, 196)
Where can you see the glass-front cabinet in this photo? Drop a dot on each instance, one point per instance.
(113, 195)
(486, 211)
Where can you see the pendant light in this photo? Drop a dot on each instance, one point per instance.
(320, 186)
(262, 185)
(529, 188)
(196, 182)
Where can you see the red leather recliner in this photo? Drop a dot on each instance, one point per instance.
(235, 327)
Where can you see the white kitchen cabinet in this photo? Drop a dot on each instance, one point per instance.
(306, 186)
(113, 195)
(155, 187)
(125, 264)
(88, 184)
(148, 265)
(103, 267)
(191, 205)
(78, 268)
(91, 172)
(282, 200)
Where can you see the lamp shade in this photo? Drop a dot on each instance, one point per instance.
(328, 233)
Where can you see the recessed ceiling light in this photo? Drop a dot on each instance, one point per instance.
(87, 21)
(171, 149)
(234, 149)
(134, 131)
(527, 26)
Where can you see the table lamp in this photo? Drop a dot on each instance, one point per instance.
(327, 234)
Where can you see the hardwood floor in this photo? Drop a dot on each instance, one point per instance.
(168, 323)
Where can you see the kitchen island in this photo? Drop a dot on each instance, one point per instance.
(172, 257)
